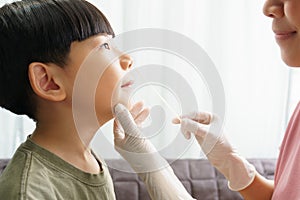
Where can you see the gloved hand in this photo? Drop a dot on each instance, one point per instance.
(152, 168)
(208, 131)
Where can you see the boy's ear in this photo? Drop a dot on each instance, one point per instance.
(46, 82)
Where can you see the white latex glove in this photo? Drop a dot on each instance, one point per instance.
(208, 132)
(158, 176)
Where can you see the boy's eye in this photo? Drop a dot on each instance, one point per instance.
(105, 45)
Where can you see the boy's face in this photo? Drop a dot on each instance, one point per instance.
(102, 67)
(286, 26)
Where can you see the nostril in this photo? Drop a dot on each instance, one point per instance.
(130, 64)
(126, 63)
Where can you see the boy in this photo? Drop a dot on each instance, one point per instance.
(43, 45)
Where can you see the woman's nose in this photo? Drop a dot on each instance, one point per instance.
(126, 61)
(273, 8)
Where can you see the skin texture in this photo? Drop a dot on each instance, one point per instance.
(53, 86)
(286, 26)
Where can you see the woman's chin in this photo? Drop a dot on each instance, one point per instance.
(290, 60)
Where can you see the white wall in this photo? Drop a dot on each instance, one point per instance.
(238, 38)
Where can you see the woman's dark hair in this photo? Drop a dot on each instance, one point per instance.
(40, 31)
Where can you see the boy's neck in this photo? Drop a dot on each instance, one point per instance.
(61, 138)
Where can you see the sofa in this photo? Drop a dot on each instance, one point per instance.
(200, 179)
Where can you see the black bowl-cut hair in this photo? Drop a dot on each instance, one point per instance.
(40, 31)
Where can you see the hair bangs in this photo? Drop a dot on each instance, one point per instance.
(50, 26)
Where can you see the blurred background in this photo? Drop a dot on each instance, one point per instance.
(260, 90)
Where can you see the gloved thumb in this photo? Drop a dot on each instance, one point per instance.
(126, 120)
(189, 126)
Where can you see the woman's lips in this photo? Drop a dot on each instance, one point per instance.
(127, 84)
(283, 35)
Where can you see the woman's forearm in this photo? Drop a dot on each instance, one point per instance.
(259, 189)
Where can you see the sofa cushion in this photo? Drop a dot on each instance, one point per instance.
(3, 163)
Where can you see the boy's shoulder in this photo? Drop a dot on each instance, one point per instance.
(12, 178)
(25, 175)
(37, 173)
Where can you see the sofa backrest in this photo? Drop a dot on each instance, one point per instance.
(200, 179)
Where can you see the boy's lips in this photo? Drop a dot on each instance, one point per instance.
(127, 84)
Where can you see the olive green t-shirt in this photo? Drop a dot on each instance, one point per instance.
(37, 174)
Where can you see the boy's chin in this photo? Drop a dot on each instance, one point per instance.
(125, 103)
(122, 96)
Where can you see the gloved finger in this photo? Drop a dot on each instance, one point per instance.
(118, 131)
(176, 120)
(126, 120)
(186, 134)
(136, 109)
(188, 125)
(201, 117)
(142, 116)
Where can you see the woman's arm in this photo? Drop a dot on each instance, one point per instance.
(259, 189)
(241, 175)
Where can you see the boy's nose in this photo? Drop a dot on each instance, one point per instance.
(126, 61)
(273, 8)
